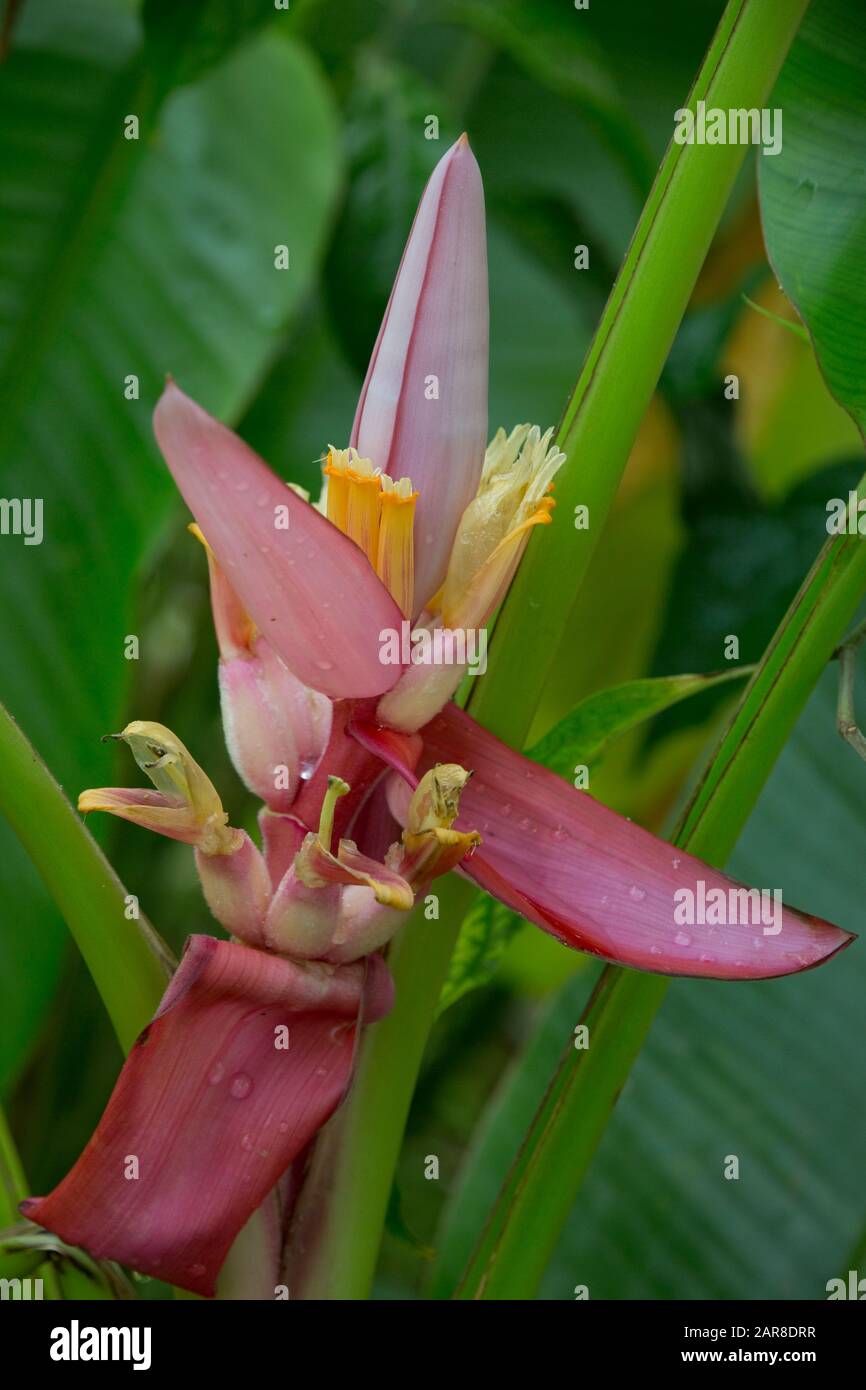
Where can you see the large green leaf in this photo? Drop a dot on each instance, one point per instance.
(813, 194)
(124, 257)
(564, 55)
(581, 736)
(769, 1072)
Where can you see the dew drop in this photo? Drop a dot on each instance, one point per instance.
(246, 1142)
(217, 1073)
(196, 1270)
(682, 939)
(525, 823)
(560, 834)
(675, 863)
(637, 894)
(655, 950)
(505, 810)
(240, 1085)
(325, 665)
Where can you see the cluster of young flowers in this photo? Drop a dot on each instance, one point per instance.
(372, 781)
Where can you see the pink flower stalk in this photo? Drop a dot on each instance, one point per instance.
(418, 534)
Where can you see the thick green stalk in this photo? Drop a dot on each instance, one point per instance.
(547, 1172)
(598, 430)
(350, 1178)
(625, 360)
(129, 964)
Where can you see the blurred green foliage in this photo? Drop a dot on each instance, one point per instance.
(139, 257)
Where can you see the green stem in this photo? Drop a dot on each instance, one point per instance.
(846, 713)
(625, 360)
(13, 1189)
(350, 1178)
(597, 432)
(129, 964)
(545, 1177)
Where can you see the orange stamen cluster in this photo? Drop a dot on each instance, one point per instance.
(378, 514)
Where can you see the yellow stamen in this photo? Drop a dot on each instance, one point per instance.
(395, 560)
(338, 489)
(362, 512)
(513, 497)
(378, 514)
(336, 788)
(354, 488)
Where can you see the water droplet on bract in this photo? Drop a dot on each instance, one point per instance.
(706, 957)
(637, 894)
(682, 939)
(217, 1074)
(655, 950)
(325, 665)
(306, 769)
(246, 1143)
(560, 834)
(757, 942)
(525, 823)
(675, 863)
(240, 1085)
(196, 1271)
(505, 810)
(605, 902)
